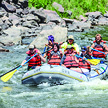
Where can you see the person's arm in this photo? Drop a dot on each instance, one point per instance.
(23, 62)
(92, 46)
(76, 48)
(27, 58)
(106, 48)
(61, 54)
(76, 59)
(64, 45)
(42, 58)
(62, 60)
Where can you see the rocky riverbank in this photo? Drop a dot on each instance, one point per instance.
(22, 25)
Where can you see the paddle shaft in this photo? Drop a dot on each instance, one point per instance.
(97, 50)
(44, 50)
(10, 71)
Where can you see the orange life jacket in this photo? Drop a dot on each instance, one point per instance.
(55, 58)
(70, 61)
(35, 61)
(84, 64)
(100, 48)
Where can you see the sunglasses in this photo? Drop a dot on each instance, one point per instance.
(31, 49)
(70, 39)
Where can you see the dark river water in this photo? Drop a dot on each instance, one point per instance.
(13, 94)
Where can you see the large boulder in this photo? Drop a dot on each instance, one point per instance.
(13, 35)
(59, 33)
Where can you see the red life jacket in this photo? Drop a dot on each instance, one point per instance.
(100, 48)
(35, 61)
(70, 61)
(48, 54)
(55, 58)
(84, 64)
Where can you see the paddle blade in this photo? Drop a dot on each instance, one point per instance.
(94, 61)
(8, 75)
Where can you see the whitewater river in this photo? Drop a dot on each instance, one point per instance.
(13, 94)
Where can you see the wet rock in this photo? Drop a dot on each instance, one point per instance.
(103, 21)
(3, 50)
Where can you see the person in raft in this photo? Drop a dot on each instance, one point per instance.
(35, 61)
(55, 55)
(70, 41)
(100, 46)
(49, 46)
(70, 61)
(83, 63)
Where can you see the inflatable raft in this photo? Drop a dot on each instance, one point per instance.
(55, 74)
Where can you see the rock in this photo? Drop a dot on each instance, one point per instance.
(2, 14)
(28, 35)
(58, 7)
(95, 15)
(8, 7)
(57, 32)
(52, 16)
(41, 15)
(79, 26)
(15, 1)
(106, 14)
(103, 21)
(24, 3)
(3, 50)
(30, 24)
(68, 21)
(69, 12)
(13, 35)
(82, 18)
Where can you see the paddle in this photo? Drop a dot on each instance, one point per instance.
(6, 76)
(97, 50)
(92, 61)
(44, 50)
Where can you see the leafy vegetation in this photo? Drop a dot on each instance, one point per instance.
(78, 7)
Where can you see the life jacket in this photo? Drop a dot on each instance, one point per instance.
(84, 64)
(55, 58)
(70, 61)
(35, 61)
(48, 53)
(100, 48)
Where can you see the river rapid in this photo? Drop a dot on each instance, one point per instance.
(13, 94)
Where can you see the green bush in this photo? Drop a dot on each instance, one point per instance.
(78, 7)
